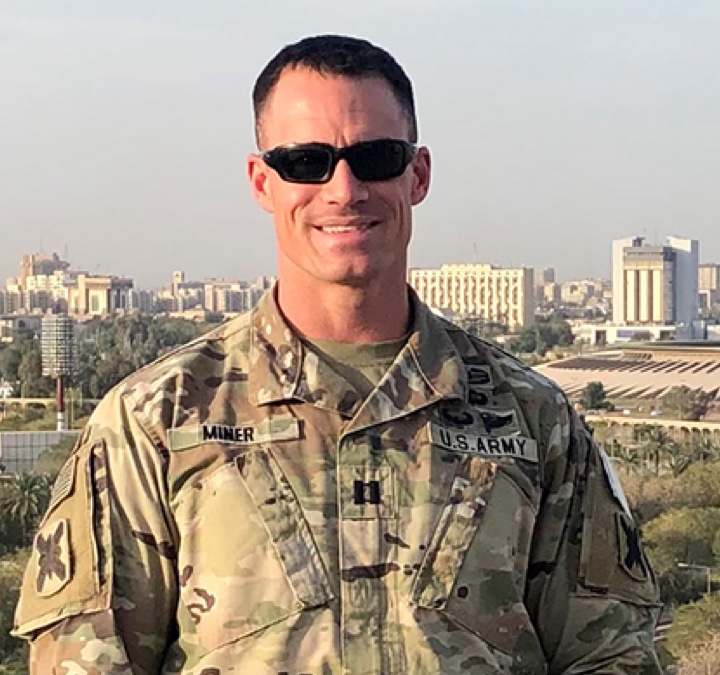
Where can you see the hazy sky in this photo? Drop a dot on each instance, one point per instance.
(555, 127)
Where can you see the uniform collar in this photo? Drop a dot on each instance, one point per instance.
(427, 368)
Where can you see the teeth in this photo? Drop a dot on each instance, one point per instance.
(341, 228)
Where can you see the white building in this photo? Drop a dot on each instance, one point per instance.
(656, 285)
(709, 285)
(505, 296)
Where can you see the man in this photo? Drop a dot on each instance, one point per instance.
(339, 481)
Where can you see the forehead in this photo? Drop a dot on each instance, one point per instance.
(307, 106)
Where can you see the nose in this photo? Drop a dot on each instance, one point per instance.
(344, 188)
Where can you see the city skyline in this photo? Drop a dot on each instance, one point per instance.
(555, 128)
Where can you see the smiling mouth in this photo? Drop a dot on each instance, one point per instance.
(342, 229)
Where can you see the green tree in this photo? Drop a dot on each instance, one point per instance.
(32, 382)
(109, 350)
(24, 500)
(10, 359)
(654, 441)
(706, 450)
(628, 457)
(21, 366)
(51, 460)
(593, 397)
(13, 653)
(543, 335)
(677, 458)
(685, 534)
(694, 625)
(684, 403)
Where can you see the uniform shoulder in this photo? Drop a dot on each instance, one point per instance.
(213, 346)
(523, 379)
(162, 393)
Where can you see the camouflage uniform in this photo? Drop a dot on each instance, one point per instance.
(237, 508)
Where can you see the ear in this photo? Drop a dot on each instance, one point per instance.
(421, 175)
(259, 179)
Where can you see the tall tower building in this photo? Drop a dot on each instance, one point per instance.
(687, 263)
(655, 285)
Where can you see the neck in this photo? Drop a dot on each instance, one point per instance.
(346, 313)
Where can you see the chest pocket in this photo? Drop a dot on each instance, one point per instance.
(475, 566)
(247, 559)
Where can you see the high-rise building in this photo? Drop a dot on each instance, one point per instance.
(34, 264)
(499, 295)
(98, 295)
(655, 285)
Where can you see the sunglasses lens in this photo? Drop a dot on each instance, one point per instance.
(304, 165)
(315, 163)
(378, 160)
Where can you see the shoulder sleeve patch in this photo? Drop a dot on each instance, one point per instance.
(63, 486)
(52, 558)
(612, 560)
(631, 556)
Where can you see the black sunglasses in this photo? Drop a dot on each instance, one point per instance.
(382, 159)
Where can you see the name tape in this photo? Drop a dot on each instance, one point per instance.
(266, 431)
(514, 447)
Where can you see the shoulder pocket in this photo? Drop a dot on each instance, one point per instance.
(65, 575)
(612, 559)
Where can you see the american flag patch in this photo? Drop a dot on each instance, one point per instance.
(63, 483)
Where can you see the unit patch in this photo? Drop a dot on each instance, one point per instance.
(632, 559)
(513, 447)
(51, 554)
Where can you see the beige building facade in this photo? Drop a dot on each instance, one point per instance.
(656, 285)
(499, 295)
(709, 284)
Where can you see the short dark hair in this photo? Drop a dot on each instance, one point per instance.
(336, 55)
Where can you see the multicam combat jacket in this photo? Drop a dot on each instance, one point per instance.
(237, 509)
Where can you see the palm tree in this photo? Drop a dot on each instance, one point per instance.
(628, 457)
(24, 500)
(655, 441)
(706, 450)
(678, 458)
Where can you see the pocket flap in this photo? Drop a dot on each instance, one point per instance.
(289, 531)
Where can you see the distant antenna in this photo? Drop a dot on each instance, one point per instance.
(66, 252)
(475, 258)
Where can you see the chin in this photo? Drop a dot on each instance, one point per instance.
(356, 278)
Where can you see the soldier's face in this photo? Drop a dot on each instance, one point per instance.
(345, 231)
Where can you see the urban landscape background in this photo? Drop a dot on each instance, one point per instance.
(574, 220)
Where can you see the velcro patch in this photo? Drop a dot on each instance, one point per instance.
(266, 431)
(631, 556)
(480, 376)
(511, 447)
(52, 559)
(63, 483)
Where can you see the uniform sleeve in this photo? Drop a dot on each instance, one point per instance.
(99, 593)
(591, 592)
